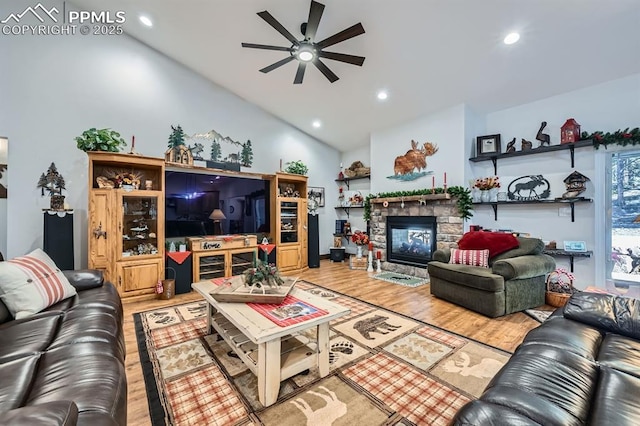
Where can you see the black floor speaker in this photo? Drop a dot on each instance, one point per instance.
(314, 242)
(58, 238)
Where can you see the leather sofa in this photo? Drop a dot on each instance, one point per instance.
(580, 367)
(65, 365)
(514, 281)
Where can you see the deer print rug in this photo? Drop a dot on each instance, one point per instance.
(386, 369)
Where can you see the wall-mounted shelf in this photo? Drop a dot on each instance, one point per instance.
(347, 208)
(567, 146)
(571, 202)
(569, 254)
(346, 180)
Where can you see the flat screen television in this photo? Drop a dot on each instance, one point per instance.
(190, 198)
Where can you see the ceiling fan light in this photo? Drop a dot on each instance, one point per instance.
(305, 53)
(305, 56)
(511, 38)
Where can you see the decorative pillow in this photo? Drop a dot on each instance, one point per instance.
(30, 283)
(495, 242)
(470, 257)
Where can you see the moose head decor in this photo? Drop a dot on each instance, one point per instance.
(415, 159)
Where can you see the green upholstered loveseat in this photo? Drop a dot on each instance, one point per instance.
(514, 281)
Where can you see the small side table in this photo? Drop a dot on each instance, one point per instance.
(58, 237)
(337, 254)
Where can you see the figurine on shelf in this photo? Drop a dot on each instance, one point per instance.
(544, 138)
(341, 174)
(511, 146)
(576, 184)
(526, 145)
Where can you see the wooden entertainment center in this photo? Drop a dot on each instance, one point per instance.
(126, 224)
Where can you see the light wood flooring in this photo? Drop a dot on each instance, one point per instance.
(505, 333)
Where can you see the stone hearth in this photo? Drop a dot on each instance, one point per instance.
(450, 227)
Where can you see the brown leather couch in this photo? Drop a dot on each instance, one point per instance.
(580, 367)
(65, 365)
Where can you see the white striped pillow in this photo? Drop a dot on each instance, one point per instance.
(470, 257)
(31, 283)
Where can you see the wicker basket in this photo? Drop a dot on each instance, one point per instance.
(554, 298)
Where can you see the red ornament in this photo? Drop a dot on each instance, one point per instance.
(570, 131)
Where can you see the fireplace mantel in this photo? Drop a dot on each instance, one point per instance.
(426, 197)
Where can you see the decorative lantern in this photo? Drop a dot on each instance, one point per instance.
(570, 131)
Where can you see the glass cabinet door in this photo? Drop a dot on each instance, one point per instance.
(139, 225)
(212, 267)
(241, 261)
(289, 222)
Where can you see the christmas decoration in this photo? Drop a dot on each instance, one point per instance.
(619, 137)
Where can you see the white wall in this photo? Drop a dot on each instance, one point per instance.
(57, 87)
(608, 107)
(445, 129)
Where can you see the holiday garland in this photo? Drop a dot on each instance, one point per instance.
(619, 137)
(463, 195)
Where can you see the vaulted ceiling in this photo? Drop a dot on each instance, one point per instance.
(427, 54)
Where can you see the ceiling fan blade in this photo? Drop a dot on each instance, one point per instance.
(315, 13)
(300, 73)
(278, 26)
(266, 47)
(275, 65)
(325, 70)
(342, 57)
(352, 31)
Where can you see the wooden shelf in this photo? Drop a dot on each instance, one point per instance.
(570, 201)
(347, 208)
(569, 254)
(562, 147)
(346, 180)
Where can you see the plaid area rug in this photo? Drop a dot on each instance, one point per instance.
(401, 279)
(385, 369)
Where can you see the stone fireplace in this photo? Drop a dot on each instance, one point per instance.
(414, 219)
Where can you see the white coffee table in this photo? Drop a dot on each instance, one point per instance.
(271, 352)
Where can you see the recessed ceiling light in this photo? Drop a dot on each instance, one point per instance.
(146, 21)
(511, 38)
(382, 95)
(316, 124)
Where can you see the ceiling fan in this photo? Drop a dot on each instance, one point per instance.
(308, 50)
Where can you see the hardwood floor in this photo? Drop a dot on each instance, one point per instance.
(505, 333)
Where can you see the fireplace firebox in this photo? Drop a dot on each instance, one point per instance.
(411, 240)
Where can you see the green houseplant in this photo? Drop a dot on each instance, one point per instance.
(100, 140)
(296, 167)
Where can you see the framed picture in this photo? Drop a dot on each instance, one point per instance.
(577, 246)
(488, 145)
(317, 194)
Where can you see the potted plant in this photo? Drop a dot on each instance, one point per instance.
(53, 183)
(100, 140)
(296, 167)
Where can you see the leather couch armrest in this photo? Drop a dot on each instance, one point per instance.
(84, 279)
(617, 314)
(442, 255)
(63, 413)
(524, 266)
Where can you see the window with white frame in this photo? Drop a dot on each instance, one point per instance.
(622, 238)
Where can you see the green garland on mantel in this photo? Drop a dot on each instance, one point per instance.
(619, 137)
(463, 196)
